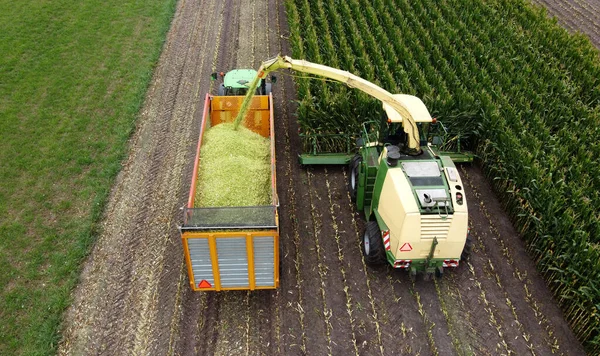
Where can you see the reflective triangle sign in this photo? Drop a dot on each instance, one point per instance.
(204, 284)
(406, 247)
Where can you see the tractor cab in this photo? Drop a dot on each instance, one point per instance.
(236, 82)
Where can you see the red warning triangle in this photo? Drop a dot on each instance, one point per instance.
(406, 247)
(204, 284)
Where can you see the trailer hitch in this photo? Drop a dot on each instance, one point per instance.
(430, 270)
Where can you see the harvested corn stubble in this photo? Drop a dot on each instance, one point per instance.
(234, 168)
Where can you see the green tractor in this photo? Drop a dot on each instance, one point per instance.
(235, 83)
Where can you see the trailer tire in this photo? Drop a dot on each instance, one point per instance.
(354, 168)
(372, 246)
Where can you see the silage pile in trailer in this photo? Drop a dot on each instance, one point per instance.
(234, 168)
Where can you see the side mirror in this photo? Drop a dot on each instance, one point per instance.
(273, 79)
(213, 76)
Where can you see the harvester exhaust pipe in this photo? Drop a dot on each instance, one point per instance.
(393, 155)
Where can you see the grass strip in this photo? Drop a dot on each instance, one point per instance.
(73, 76)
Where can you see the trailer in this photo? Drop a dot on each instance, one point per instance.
(233, 248)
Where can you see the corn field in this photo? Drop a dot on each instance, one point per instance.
(500, 72)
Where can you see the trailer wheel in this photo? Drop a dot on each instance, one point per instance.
(466, 253)
(353, 179)
(372, 246)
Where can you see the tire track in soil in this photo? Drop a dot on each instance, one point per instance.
(468, 338)
(367, 323)
(437, 330)
(337, 307)
(322, 307)
(125, 262)
(198, 312)
(313, 327)
(409, 323)
(190, 96)
(291, 331)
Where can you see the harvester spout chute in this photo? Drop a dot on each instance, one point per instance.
(352, 81)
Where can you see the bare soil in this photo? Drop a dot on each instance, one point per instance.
(581, 16)
(134, 295)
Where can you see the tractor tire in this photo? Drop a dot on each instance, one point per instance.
(221, 90)
(466, 253)
(267, 89)
(354, 168)
(372, 246)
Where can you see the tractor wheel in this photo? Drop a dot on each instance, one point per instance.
(267, 89)
(467, 250)
(372, 246)
(353, 179)
(222, 89)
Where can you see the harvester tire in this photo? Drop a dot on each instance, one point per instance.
(353, 177)
(466, 253)
(372, 246)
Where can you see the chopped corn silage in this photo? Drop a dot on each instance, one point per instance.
(234, 168)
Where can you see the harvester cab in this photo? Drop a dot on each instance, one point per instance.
(236, 82)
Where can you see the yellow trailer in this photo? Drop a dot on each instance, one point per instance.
(233, 248)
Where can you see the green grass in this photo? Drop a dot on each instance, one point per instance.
(72, 78)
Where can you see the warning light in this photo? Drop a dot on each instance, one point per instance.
(204, 284)
(434, 120)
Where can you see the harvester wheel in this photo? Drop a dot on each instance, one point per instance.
(467, 250)
(373, 249)
(353, 179)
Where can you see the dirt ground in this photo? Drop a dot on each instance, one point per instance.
(134, 295)
(576, 15)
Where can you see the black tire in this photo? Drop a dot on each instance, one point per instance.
(439, 272)
(354, 169)
(221, 90)
(267, 89)
(372, 246)
(466, 253)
